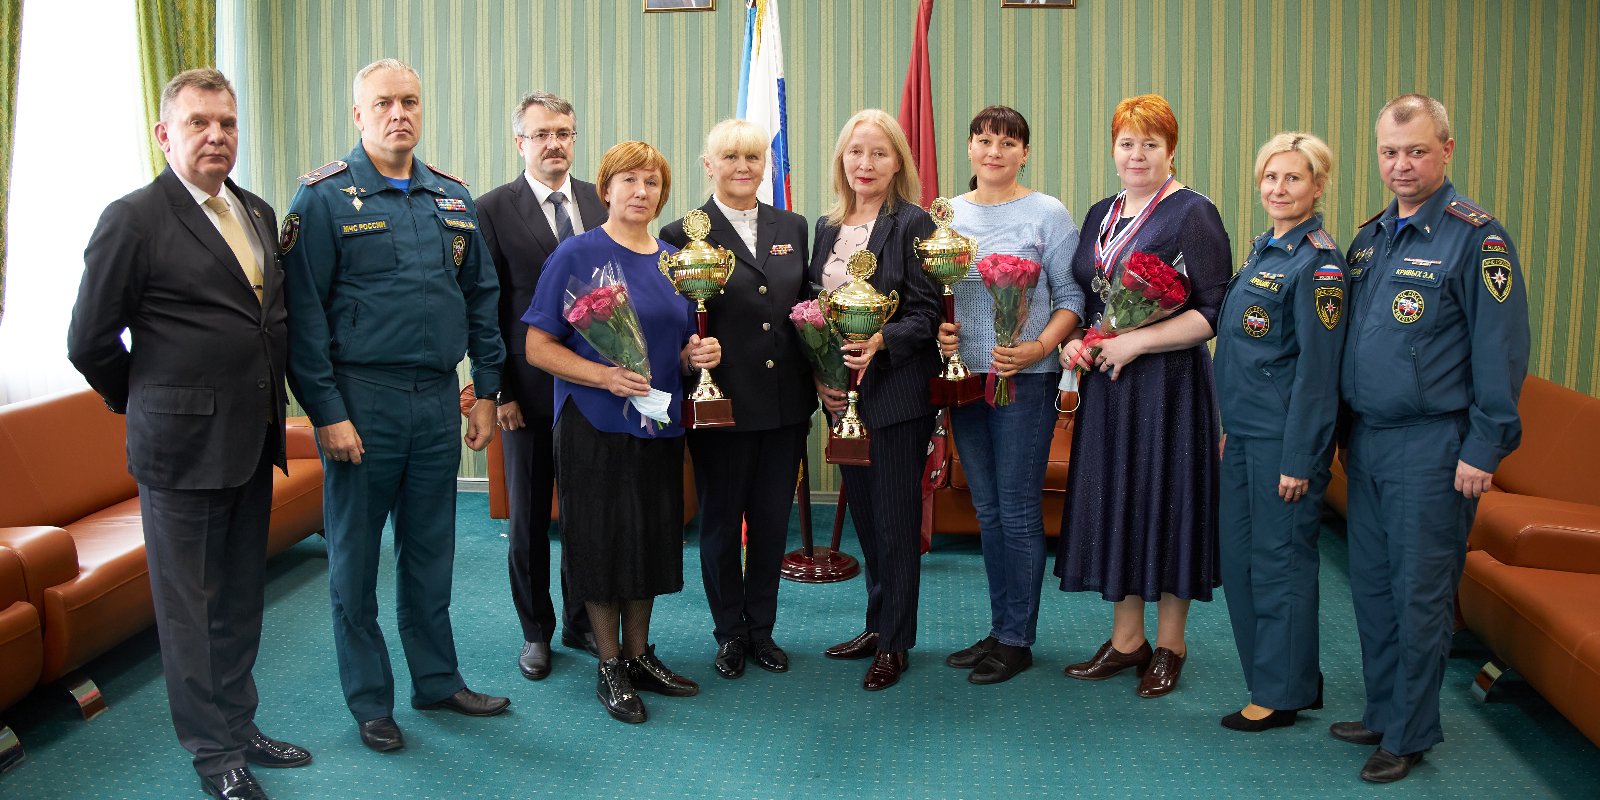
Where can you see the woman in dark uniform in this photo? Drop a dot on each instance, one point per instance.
(875, 208)
(1279, 340)
(746, 473)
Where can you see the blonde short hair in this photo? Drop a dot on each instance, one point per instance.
(737, 135)
(905, 188)
(629, 156)
(1315, 151)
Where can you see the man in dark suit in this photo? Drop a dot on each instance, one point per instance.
(189, 266)
(522, 222)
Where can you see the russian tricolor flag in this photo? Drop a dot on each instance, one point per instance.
(761, 95)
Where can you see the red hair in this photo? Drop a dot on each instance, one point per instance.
(1149, 114)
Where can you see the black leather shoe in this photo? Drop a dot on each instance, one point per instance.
(972, 656)
(235, 784)
(648, 674)
(264, 752)
(617, 694)
(885, 671)
(1386, 767)
(473, 704)
(1237, 721)
(1001, 665)
(584, 642)
(534, 662)
(865, 645)
(730, 658)
(382, 734)
(769, 656)
(1354, 733)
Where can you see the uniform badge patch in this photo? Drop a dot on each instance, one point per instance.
(450, 203)
(1494, 244)
(1497, 277)
(1330, 301)
(782, 249)
(459, 224)
(1256, 322)
(290, 235)
(458, 249)
(1408, 306)
(1361, 256)
(1328, 272)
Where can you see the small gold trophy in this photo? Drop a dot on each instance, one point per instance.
(698, 272)
(856, 311)
(946, 255)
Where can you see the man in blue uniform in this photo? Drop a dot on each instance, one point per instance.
(1437, 350)
(389, 285)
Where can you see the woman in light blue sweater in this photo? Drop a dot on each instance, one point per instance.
(1004, 449)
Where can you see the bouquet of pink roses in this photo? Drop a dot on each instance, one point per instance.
(821, 344)
(600, 311)
(1010, 280)
(1149, 290)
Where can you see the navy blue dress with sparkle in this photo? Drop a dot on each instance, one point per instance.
(1140, 517)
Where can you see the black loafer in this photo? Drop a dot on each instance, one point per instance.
(1001, 665)
(534, 661)
(1354, 733)
(1386, 767)
(584, 642)
(730, 658)
(235, 784)
(266, 752)
(1237, 721)
(769, 656)
(382, 734)
(648, 674)
(473, 704)
(972, 656)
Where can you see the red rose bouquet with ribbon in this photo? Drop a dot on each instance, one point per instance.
(1010, 281)
(820, 344)
(1148, 290)
(601, 312)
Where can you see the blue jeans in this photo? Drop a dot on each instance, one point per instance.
(1003, 453)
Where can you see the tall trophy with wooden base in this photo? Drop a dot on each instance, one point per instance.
(946, 255)
(698, 272)
(856, 311)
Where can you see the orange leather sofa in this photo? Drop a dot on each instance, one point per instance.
(71, 540)
(1532, 573)
(952, 503)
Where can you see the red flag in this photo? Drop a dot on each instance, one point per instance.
(916, 108)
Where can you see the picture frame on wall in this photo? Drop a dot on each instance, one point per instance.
(1038, 3)
(652, 6)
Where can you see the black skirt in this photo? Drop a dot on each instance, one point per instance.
(621, 503)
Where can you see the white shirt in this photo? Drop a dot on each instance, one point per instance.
(851, 238)
(236, 207)
(543, 192)
(744, 223)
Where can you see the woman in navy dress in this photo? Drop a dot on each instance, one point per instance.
(1140, 519)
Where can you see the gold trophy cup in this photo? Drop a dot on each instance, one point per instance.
(946, 255)
(856, 311)
(698, 272)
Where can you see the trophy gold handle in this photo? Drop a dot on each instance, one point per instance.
(732, 262)
(894, 305)
(665, 265)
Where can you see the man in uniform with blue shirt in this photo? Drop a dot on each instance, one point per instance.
(1433, 366)
(389, 286)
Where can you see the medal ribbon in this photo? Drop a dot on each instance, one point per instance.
(1109, 248)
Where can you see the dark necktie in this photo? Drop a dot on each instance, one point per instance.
(563, 221)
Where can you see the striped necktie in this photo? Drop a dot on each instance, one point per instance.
(233, 234)
(563, 221)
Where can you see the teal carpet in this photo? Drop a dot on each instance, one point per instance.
(809, 733)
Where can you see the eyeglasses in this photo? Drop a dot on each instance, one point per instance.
(543, 137)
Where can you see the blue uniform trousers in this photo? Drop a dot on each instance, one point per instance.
(409, 469)
(1408, 533)
(1269, 573)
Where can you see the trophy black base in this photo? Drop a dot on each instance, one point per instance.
(944, 392)
(818, 565)
(702, 414)
(849, 452)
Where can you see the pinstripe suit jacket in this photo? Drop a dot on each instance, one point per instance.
(895, 386)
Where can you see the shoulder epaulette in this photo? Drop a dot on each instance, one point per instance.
(330, 168)
(1321, 240)
(1467, 210)
(441, 173)
(1372, 218)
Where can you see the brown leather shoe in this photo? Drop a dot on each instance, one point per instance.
(1108, 661)
(1162, 676)
(885, 670)
(864, 645)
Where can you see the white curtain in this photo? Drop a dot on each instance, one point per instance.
(79, 146)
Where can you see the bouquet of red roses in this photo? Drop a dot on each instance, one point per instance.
(1010, 280)
(1148, 290)
(600, 311)
(822, 345)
